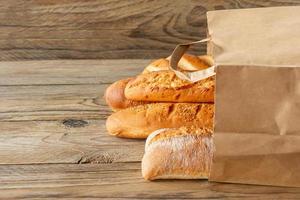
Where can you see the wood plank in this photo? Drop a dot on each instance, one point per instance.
(58, 72)
(37, 49)
(54, 112)
(58, 90)
(53, 142)
(53, 102)
(66, 141)
(44, 29)
(120, 181)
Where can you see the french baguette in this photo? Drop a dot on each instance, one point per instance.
(165, 86)
(190, 62)
(139, 121)
(157, 65)
(114, 94)
(178, 153)
(187, 63)
(207, 59)
(115, 98)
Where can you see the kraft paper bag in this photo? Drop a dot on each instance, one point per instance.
(257, 98)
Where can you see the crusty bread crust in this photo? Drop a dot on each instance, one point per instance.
(187, 63)
(165, 86)
(157, 65)
(207, 59)
(140, 121)
(177, 154)
(115, 98)
(193, 63)
(178, 132)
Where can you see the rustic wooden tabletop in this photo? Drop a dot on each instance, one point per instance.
(53, 142)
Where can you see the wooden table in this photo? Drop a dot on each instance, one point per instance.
(53, 142)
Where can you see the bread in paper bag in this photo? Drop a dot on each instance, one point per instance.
(257, 112)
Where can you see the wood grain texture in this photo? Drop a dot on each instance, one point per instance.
(118, 181)
(58, 90)
(53, 142)
(68, 72)
(80, 29)
(65, 141)
(54, 112)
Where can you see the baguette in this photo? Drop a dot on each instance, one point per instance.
(207, 59)
(180, 153)
(193, 63)
(114, 94)
(187, 63)
(157, 65)
(115, 98)
(140, 121)
(165, 86)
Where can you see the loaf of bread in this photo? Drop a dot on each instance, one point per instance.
(207, 59)
(187, 63)
(165, 86)
(115, 98)
(140, 121)
(193, 63)
(178, 153)
(114, 94)
(157, 65)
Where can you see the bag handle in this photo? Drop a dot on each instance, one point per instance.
(189, 76)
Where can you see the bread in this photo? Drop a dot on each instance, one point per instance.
(187, 63)
(193, 63)
(165, 86)
(115, 98)
(140, 121)
(114, 95)
(179, 153)
(157, 65)
(207, 59)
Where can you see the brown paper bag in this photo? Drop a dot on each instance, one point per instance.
(257, 103)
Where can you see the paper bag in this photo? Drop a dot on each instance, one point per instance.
(257, 98)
